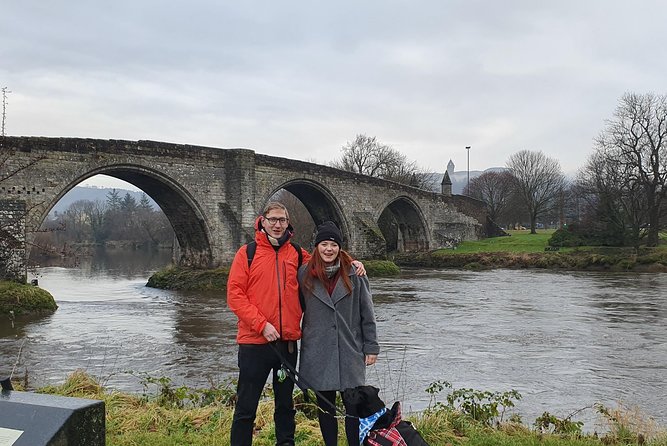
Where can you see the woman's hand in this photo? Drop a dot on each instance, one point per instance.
(370, 359)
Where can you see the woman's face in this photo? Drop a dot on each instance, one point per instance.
(328, 251)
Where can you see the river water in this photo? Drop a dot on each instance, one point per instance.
(564, 340)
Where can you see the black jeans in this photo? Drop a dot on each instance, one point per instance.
(255, 363)
(329, 424)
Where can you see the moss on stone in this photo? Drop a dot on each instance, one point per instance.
(177, 278)
(25, 299)
(381, 268)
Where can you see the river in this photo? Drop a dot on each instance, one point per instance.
(564, 340)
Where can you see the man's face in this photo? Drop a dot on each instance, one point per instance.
(275, 222)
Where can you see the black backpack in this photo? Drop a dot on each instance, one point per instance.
(250, 249)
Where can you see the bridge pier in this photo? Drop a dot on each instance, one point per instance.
(369, 241)
(12, 240)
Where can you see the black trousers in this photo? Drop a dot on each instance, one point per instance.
(255, 363)
(329, 424)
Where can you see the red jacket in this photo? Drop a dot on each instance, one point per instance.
(267, 292)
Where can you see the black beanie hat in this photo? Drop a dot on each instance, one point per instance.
(328, 231)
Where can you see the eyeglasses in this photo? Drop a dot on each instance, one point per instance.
(273, 220)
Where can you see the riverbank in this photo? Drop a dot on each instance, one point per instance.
(165, 415)
(578, 259)
(519, 250)
(524, 250)
(20, 299)
(178, 278)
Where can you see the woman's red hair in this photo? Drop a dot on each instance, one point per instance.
(316, 270)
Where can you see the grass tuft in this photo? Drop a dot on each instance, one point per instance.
(24, 299)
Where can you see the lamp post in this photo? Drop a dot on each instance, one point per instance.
(468, 149)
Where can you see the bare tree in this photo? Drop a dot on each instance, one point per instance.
(153, 222)
(367, 156)
(614, 207)
(495, 189)
(364, 155)
(538, 180)
(635, 139)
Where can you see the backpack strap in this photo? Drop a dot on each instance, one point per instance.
(250, 249)
(302, 300)
(299, 252)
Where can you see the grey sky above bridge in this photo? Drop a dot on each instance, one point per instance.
(300, 79)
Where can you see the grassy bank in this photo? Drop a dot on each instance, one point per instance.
(170, 416)
(520, 250)
(524, 250)
(177, 278)
(20, 299)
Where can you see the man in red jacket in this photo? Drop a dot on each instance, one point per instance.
(265, 298)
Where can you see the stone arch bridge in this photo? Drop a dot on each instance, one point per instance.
(212, 196)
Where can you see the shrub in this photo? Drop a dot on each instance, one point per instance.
(548, 423)
(480, 405)
(566, 238)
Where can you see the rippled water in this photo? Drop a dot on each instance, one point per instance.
(563, 340)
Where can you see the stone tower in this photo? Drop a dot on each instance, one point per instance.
(446, 184)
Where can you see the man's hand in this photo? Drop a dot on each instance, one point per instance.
(270, 333)
(370, 359)
(361, 271)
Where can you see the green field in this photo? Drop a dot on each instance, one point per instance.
(518, 241)
(521, 249)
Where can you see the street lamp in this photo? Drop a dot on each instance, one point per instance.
(468, 149)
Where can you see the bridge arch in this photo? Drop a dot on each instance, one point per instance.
(318, 201)
(181, 209)
(403, 226)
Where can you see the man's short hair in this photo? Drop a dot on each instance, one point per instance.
(271, 205)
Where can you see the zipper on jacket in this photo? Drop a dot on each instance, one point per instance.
(280, 299)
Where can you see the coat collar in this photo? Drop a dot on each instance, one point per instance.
(338, 293)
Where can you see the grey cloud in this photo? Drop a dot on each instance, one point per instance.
(301, 78)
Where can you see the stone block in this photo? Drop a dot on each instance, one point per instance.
(49, 420)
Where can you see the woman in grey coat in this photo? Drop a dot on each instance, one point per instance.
(338, 331)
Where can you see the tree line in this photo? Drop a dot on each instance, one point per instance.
(618, 197)
(118, 218)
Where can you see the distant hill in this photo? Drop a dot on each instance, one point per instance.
(92, 194)
(460, 178)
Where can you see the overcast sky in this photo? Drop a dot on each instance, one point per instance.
(300, 79)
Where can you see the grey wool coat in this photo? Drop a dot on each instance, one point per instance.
(337, 332)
